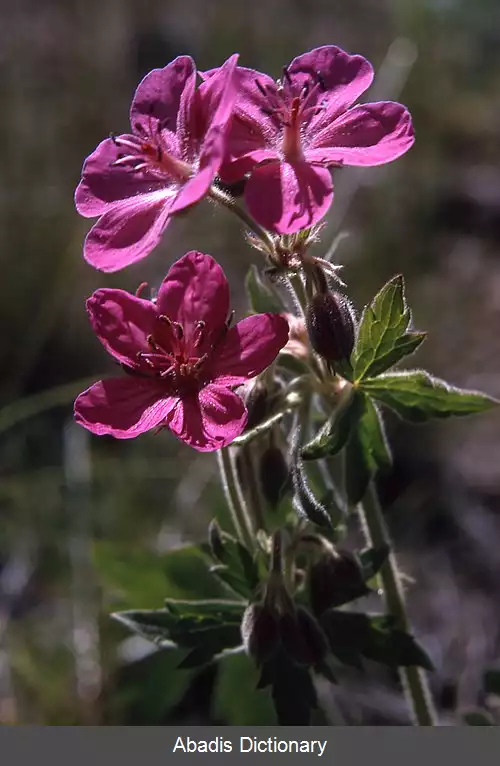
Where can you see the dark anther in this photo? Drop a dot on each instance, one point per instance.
(151, 342)
(229, 320)
(139, 128)
(200, 361)
(286, 75)
(320, 80)
(269, 112)
(178, 330)
(261, 87)
(113, 138)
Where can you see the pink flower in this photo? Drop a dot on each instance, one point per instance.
(136, 182)
(183, 358)
(289, 133)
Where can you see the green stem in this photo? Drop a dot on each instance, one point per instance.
(230, 203)
(252, 486)
(234, 497)
(413, 679)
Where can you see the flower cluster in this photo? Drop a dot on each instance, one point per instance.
(281, 140)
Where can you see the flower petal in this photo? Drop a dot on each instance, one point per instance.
(368, 134)
(122, 322)
(209, 421)
(195, 289)
(286, 197)
(158, 96)
(255, 128)
(248, 348)
(216, 98)
(123, 407)
(104, 184)
(342, 79)
(128, 231)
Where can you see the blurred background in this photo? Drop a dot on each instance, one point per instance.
(85, 522)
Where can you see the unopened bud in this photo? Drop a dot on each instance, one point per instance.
(330, 325)
(259, 631)
(302, 637)
(335, 579)
(257, 405)
(274, 475)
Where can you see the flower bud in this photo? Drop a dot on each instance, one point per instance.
(259, 631)
(274, 475)
(257, 405)
(302, 637)
(335, 579)
(330, 325)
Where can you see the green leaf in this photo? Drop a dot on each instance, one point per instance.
(404, 346)
(292, 690)
(237, 568)
(205, 628)
(382, 337)
(367, 450)
(352, 634)
(218, 609)
(492, 682)
(332, 437)
(416, 396)
(478, 718)
(372, 559)
(261, 297)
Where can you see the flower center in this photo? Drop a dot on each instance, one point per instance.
(150, 153)
(292, 109)
(177, 357)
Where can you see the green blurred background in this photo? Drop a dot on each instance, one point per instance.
(86, 523)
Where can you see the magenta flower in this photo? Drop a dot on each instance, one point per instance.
(289, 133)
(182, 358)
(136, 182)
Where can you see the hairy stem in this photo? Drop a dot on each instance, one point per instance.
(234, 497)
(413, 679)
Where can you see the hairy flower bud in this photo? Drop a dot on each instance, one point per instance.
(335, 579)
(261, 401)
(259, 631)
(302, 637)
(330, 325)
(274, 475)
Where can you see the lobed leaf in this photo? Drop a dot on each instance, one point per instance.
(205, 628)
(383, 339)
(353, 635)
(416, 396)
